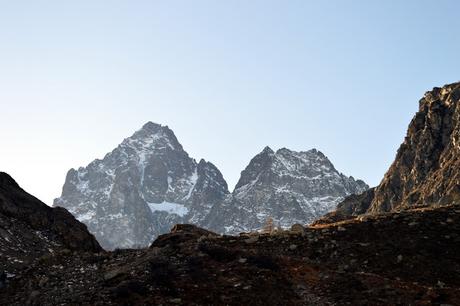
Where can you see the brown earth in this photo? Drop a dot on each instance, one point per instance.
(406, 258)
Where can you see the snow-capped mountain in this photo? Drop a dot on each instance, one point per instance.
(287, 186)
(149, 183)
(141, 189)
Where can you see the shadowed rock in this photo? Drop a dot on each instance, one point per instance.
(31, 231)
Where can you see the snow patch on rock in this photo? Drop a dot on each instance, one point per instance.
(170, 208)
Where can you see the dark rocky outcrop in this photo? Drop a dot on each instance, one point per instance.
(29, 229)
(352, 206)
(426, 170)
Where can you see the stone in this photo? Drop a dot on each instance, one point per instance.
(176, 301)
(252, 240)
(112, 274)
(298, 229)
(2, 279)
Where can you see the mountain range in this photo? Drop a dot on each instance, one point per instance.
(397, 244)
(149, 183)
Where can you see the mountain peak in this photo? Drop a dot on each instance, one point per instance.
(142, 188)
(268, 150)
(287, 186)
(287, 151)
(151, 126)
(283, 150)
(153, 136)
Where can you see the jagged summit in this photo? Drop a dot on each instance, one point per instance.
(267, 150)
(313, 151)
(287, 186)
(141, 189)
(286, 162)
(153, 136)
(152, 126)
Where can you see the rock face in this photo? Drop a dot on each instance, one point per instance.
(30, 229)
(286, 186)
(426, 170)
(141, 189)
(149, 183)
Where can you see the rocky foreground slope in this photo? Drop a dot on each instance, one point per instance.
(407, 258)
(149, 183)
(426, 167)
(29, 229)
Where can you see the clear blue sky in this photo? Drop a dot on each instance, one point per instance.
(229, 77)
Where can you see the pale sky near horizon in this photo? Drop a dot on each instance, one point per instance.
(228, 77)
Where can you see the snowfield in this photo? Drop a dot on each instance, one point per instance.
(171, 208)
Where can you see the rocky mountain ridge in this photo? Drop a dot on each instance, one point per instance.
(425, 170)
(149, 183)
(141, 189)
(288, 187)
